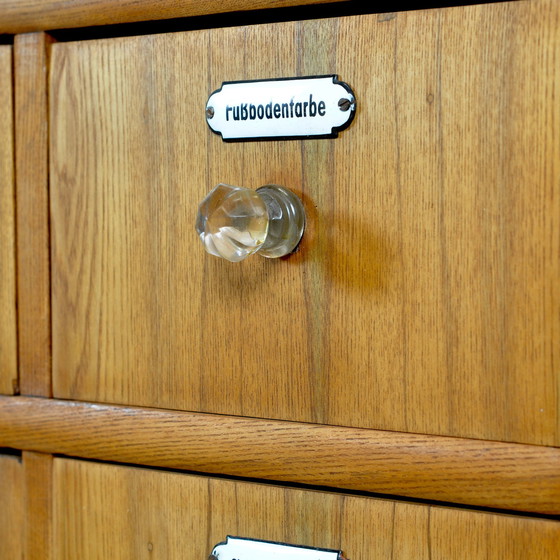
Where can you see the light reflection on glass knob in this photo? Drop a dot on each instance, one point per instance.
(235, 222)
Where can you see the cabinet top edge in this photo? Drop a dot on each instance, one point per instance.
(43, 15)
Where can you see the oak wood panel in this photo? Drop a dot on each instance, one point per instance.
(425, 294)
(8, 321)
(32, 191)
(20, 16)
(493, 474)
(38, 526)
(12, 509)
(124, 512)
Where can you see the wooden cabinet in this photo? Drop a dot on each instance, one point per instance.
(124, 512)
(407, 349)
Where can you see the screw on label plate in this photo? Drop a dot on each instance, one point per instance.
(344, 104)
(209, 112)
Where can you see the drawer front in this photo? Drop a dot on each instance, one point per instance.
(425, 294)
(108, 511)
(12, 509)
(8, 328)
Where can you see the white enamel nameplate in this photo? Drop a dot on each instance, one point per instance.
(317, 107)
(236, 548)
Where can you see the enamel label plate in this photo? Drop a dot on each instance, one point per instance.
(314, 107)
(236, 548)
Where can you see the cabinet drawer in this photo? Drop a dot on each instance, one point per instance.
(103, 511)
(424, 296)
(8, 329)
(11, 511)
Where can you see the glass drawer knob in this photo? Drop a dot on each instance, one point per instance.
(235, 222)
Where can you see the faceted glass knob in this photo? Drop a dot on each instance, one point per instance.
(235, 222)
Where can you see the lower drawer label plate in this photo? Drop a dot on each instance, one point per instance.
(236, 548)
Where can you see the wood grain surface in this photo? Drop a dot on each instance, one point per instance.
(12, 507)
(482, 473)
(8, 320)
(425, 296)
(20, 16)
(32, 191)
(38, 525)
(103, 511)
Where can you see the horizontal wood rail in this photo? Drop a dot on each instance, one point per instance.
(22, 16)
(481, 473)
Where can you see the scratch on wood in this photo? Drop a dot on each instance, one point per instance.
(386, 17)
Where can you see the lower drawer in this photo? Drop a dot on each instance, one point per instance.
(110, 511)
(11, 507)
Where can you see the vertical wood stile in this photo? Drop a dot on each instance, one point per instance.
(32, 215)
(38, 500)
(8, 321)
